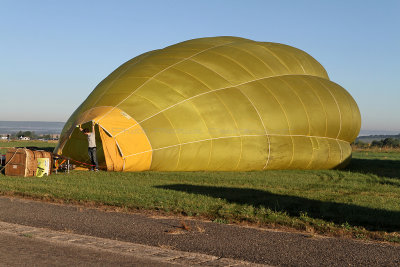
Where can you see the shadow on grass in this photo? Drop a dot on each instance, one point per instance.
(371, 219)
(382, 168)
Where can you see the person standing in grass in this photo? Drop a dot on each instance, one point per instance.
(91, 136)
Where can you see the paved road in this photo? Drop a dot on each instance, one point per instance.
(26, 245)
(27, 251)
(221, 241)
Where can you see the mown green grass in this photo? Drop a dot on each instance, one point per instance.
(45, 145)
(362, 200)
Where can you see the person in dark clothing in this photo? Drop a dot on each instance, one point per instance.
(91, 136)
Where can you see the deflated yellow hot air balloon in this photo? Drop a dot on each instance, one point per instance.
(221, 103)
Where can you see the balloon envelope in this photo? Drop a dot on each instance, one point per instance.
(220, 103)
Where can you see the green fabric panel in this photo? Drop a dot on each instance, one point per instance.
(229, 103)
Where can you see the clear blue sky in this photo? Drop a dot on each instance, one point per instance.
(53, 53)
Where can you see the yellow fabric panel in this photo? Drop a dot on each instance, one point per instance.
(311, 104)
(159, 94)
(198, 128)
(138, 162)
(183, 82)
(218, 119)
(136, 148)
(237, 104)
(144, 108)
(296, 115)
(302, 155)
(281, 152)
(320, 152)
(258, 94)
(235, 74)
(129, 137)
(225, 154)
(202, 73)
(195, 152)
(160, 131)
(166, 159)
(332, 114)
(222, 103)
(248, 60)
(255, 150)
(113, 158)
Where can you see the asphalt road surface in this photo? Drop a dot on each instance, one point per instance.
(220, 241)
(28, 251)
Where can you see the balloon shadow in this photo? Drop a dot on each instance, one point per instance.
(380, 167)
(371, 219)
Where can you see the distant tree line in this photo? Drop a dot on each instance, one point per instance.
(31, 135)
(387, 142)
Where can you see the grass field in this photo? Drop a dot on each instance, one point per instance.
(361, 201)
(45, 145)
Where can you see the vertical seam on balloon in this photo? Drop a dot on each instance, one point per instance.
(309, 59)
(286, 116)
(312, 154)
(188, 101)
(337, 105)
(351, 109)
(170, 66)
(208, 130)
(233, 60)
(234, 120)
(265, 128)
(306, 57)
(237, 128)
(320, 100)
(172, 125)
(323, 108)
(255, 56)
(352, 112)
(329, 151)
(288, 52)
(226, 107)
(340, 116)
(301, 101)
(262, 122)
(251, 102)
(276, 56)
(297, 60)
(148, 141)
(305, 110)
(241, 141)
(318, 147)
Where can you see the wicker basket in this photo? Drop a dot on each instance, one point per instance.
(24, 161)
